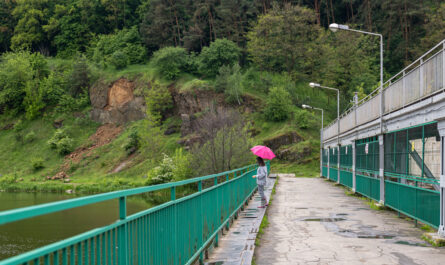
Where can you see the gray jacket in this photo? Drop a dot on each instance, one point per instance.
(261, 175)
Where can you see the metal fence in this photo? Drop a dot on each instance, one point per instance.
(176, 232)
(411, 171)
(421, 79)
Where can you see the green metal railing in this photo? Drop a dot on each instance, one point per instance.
(176, 232)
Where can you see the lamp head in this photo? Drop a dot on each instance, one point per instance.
(334, 27)
(306, 106)
(312, 84)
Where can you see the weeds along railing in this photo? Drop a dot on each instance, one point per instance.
(176, 232)
(423, 78)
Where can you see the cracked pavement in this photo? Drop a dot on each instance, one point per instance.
(312, 221)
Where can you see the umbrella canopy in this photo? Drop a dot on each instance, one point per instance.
(263, 152)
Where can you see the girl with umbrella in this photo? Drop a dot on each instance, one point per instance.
(261, 176)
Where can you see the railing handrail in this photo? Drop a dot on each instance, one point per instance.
(13, 215)
(388, 83)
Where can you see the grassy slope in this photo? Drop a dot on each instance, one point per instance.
(16, 157)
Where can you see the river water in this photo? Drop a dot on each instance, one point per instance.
(25, 235)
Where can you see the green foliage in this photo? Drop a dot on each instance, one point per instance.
(20, 74)
(278, 105)
(220, 52)
(158, 100)
(284, 39)
(68, 103)
(119, 59)
(37, 163)
(170, 169)
(170, 61)
(133, 143)
(79, 77)
(303, 117)
(61, 142)
(29, 137)
(114, 48)
(229, 81)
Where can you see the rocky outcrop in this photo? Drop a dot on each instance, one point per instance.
(294, 155)
(284, 139)
(116, 103)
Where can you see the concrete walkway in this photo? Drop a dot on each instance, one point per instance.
(313, 222)
(237, 245)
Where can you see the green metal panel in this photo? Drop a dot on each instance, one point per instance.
(418, 203)
(176, 232)
(368, 186)
(325, 156)
(346, 178)
(333, 174)
(367, 155)
(346, 156)
(333, 156)
(325, 171)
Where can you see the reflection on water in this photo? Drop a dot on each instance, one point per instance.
(25, 235)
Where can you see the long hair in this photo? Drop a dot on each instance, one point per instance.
(260, 161)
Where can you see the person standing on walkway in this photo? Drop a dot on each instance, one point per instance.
(261, 179)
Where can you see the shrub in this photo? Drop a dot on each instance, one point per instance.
(61, 142)
(162, 173)
(37, 163)
(68, 103)
(229, 81)
(119, 60)
(303, 117)
(278, 105)
(133, 143)
(170, 61)
(220, 52)
(30, 137)
(158, 101)
(79, 77)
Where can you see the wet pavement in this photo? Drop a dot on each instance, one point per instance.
(312, 221)
(237, 245)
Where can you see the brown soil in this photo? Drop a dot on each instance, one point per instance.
(104, 135)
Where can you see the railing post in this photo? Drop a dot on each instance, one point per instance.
(381, 169)
(175, 229)
(441, 129)
(215, 182)
(338, 163)
(123, 232)
(354, 159)
(421, 88)
(201, 224)
(329, 162)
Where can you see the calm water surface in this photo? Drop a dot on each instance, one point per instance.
(25, 235)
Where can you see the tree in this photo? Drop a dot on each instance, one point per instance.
(7, 23)
(225, 142)
(278, 105)
(229, 81)
(283, 39)
(159, 101)
(29, 34)
(220, 52)
(171, 61)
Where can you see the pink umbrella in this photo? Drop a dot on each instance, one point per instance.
(263, 152)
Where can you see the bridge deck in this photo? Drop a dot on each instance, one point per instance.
(366, 236)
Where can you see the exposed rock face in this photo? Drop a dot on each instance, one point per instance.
(284, 139)
(289, 154)
(116, 103)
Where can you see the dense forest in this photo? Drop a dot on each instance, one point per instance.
(53, 52)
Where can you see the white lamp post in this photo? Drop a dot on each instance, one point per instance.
(338, 106)
(321, 135)
(334, 28)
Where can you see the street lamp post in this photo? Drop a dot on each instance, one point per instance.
(321, 136)
(338, 106)
(334, 28)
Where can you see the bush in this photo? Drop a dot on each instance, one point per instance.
(220, 52)
(126, 41)
(158, 101)
(68, 103)
(303, 117)
(79, 77)
(278, 105)
(119, 60)
(30, 137)
(229, 81)
(133, 143)
(170, 61)
(37, 163)
(61, 142)
(171, 169)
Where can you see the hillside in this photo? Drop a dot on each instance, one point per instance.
(99, 161)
